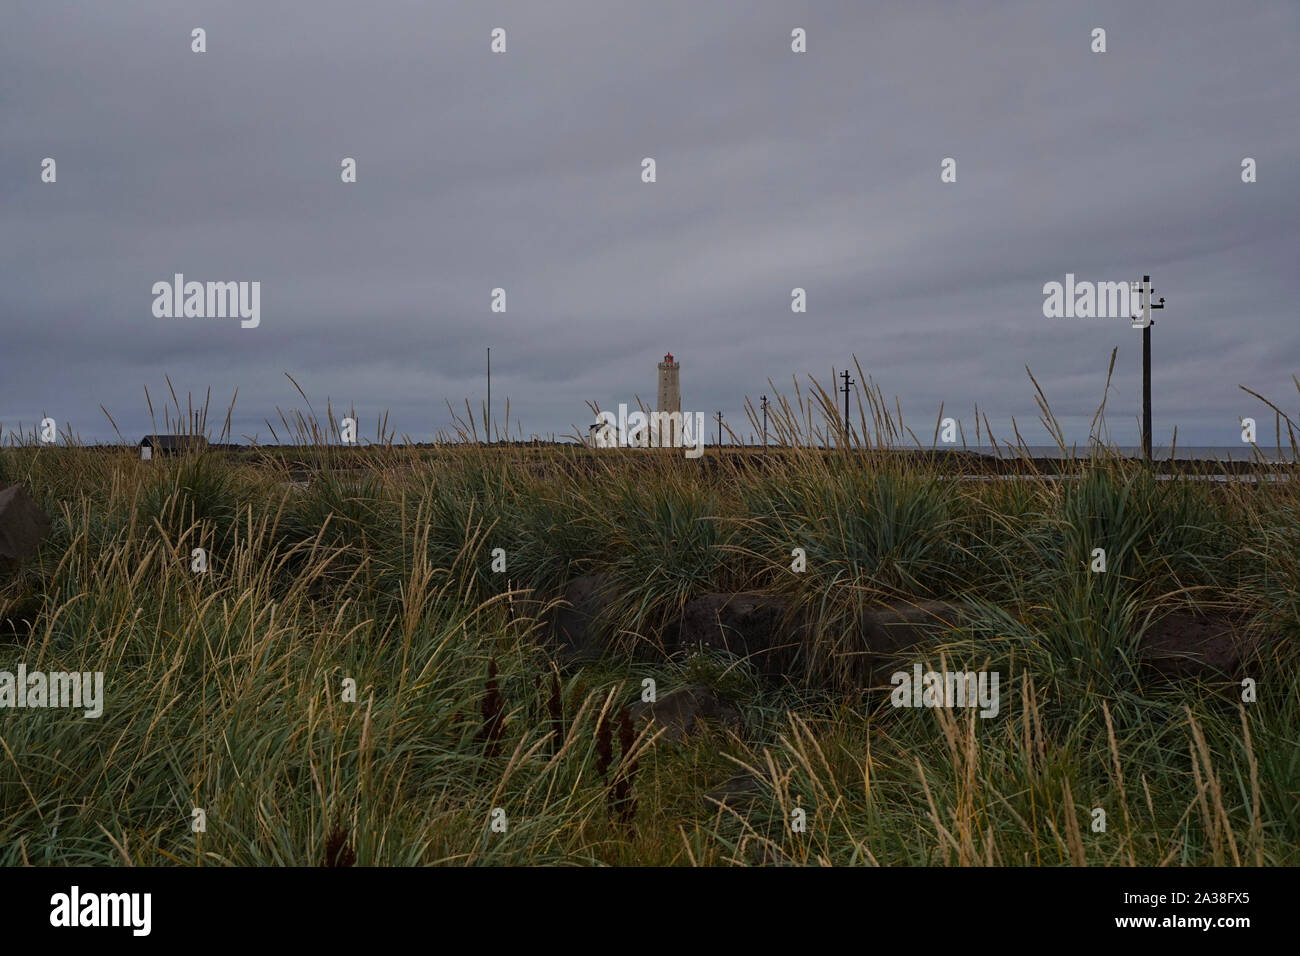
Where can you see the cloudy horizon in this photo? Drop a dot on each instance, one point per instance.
(775, 170)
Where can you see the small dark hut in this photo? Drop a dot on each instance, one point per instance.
(151, 445)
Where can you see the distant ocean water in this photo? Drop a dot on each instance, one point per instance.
(1224, 453)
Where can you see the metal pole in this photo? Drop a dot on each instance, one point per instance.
(488, 424)
(1147, 307)
(846, 409)
(719, 429)
(847, 382)
(1146, 394)
(764, 403)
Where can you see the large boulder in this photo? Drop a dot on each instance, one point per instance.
(579, 629)
(1187, 644)
(750, 625)
(891, 634)
(896, 629)
(23, 526)
(738, 790)
(687, 710)
(17, 615)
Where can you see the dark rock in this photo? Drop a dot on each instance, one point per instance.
(893, 633)
(741, 790)
(750, 625)
(580, 629)
(1187, 644)
(898, 628)
(18, 615)
(23, 526)
(687, 710)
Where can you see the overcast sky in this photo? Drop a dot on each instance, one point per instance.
(523, 171)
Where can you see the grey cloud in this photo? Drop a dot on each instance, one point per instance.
(522, 171)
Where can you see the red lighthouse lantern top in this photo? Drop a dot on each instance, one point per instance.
(668, 357)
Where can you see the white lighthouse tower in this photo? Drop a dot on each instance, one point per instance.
(670, 389)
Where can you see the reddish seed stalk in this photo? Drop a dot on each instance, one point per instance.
(604, 746)
(337, 850)
(556, 707)
(494, 708)
(622, 800)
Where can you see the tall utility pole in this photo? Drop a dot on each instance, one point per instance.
(847, 382)
(1146, 393)
(1144, 323)
(719, 416)
(489, 409)
(764, 405)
